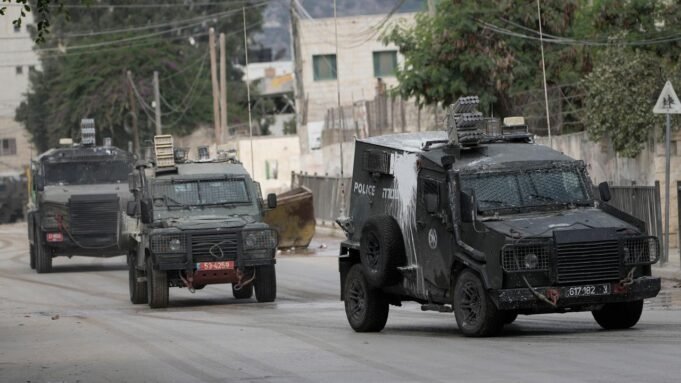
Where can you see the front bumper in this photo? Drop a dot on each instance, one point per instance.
(186, 262)
(525, 299)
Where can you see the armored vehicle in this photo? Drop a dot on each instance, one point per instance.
(78, 194)
(489, 227)
(12, 196)
(201, 223)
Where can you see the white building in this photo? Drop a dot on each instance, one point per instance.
(362, 59)
(17, 61)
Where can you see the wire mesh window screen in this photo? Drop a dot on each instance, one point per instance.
(202, 192)
(431, 187)
(528, 188)
(377, 161)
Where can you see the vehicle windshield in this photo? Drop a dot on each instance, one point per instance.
(200, 192)
(86, 172)
(528, 188)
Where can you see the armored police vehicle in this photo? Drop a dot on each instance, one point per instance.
(201, 223)
(78, 194)
(12, 196)
(489, 227)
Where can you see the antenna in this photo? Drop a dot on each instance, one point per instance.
(248, 93)
(340, 117)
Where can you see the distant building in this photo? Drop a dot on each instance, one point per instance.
(363, 59)
(274, 84)
(17, 61)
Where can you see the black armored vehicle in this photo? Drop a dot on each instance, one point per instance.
(201, 223)
(489, 227)
(78, 194)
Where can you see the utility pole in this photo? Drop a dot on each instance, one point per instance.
(223, 89)
(543, 70)
(431, 8)
(214, 80)
(157, 104)
(248, 92)
(133, 113)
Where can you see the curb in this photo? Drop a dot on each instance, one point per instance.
(670, 274)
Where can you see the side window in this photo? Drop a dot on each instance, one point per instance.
(430, 195)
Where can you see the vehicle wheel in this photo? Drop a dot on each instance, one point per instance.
(617, 316)
(475, 312)
(365, 306)
(43, 256)
(157, 286)
(509, 316)
(244, 292)
(265, 283)
(32, 257)
(381, 250)
(138, 290)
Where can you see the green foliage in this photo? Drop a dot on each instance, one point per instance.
(452, 53)
(621, 94)
(88, 52)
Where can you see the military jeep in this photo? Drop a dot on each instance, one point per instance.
(201, 223)
(487, 226)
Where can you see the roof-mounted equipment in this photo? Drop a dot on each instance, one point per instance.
(163, 150)
(463, 122)
(515, 129)
(87, 132)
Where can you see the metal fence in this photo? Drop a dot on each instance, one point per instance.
(328, 194)
(643, 202)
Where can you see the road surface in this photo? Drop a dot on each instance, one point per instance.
(77, 325)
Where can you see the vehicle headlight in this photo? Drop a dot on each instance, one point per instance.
(641, 251)
(259, 240)
(531, 261)
(172, 243)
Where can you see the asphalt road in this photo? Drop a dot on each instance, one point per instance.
(77, 325)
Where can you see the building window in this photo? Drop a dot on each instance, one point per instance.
(385, 63)
(17, 28)
(8, 147)
(324, 67)
(19, 69)
(271, 169)
(31, 68)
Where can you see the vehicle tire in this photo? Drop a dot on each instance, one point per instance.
(265, 283)
(366, 307)
(43, 256)
(509, 316)
(244, 292)
(618, 316)
(381, 251)
(138, 290)
(476, 314)
(31, 252)
(157, 286)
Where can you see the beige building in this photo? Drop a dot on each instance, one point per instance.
(275, 157)
(17, 60)
(362, 59)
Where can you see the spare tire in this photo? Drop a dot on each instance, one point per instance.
(381, 251)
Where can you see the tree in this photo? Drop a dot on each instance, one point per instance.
(43, 11)
(620, 96)
(456, 53)
(85, 58)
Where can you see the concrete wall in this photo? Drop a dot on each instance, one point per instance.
(12, 129)
(605, 165)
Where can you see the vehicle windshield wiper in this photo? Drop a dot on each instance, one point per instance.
(176, 202)
(544, 197)
(494, 201)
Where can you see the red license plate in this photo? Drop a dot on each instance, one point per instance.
(222, 265)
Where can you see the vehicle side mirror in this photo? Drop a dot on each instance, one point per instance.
(39, 183)
(604, 191)
(271, 201)
(431, 203)
(146, 211)
(131, 208)
(469, 207)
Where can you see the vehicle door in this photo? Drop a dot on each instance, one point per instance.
(433, 244)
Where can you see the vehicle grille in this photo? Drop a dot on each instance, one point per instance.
(213, 246)
(94, 219)
(588, 261)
